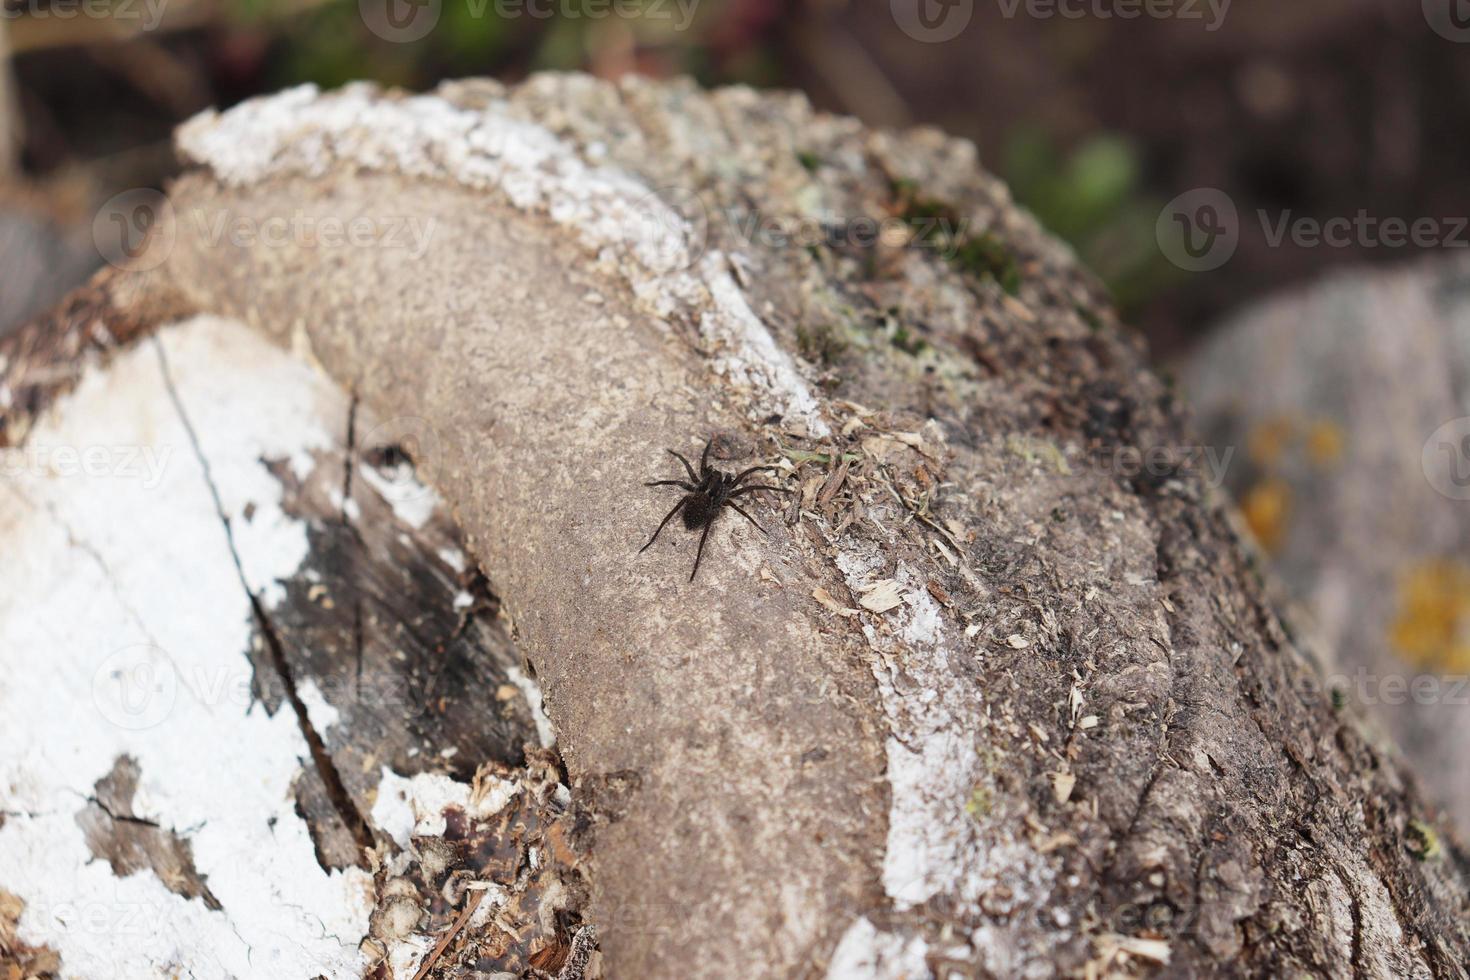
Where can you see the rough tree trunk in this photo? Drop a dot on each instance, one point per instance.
(985, 701)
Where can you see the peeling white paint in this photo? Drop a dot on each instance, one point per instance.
(937, 846)
(614, 214)
(125, 628)
(867, 954)
(754, 360)
(412, 501)
(531, 690)
(409, 807)
(319, 711)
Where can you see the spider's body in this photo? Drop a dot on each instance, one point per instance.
(707, 492)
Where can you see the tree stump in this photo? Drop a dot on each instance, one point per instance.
(983, 699)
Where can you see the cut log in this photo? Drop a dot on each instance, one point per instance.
(984, 699)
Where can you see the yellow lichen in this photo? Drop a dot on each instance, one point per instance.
(1324, 443)
(1432, 629)
(1266, 507)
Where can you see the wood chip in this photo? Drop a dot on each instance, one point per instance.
(1149, 949)
(881, 596)
(937, 591)
(1062, 784)
(1056, 842)
(834, 484)
(825, 598)
(1017, 642)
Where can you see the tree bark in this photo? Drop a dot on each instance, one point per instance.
(985, 699)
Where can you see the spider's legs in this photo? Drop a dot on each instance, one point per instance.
(704, 457)
(761, 486)
(672, 483)
(746, 516)
(667, 517)
(754, 469)
(687, 468)
(700, 553)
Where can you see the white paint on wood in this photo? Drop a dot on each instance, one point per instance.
(409, 807)
(124, 627)
(867, 954)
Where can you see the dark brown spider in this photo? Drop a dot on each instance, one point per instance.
(708, 491)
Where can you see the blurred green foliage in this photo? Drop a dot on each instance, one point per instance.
(329, 43)
(1094, 198)
(1092, 195)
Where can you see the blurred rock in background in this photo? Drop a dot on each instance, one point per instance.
(1347, 405)
(45, 251)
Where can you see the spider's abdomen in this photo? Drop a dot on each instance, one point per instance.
(700, 510)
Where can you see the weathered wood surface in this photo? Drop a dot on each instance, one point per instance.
(1346, 408)
(248, 666)
(986, 699)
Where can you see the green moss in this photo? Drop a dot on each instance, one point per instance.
(907, 342)
(1036, 450)
(987, 256)
(809, 161)
(981, 803)
(821, 343)
(938, 225)
(1422, 841)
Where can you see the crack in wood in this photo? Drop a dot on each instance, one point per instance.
(341, 800)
